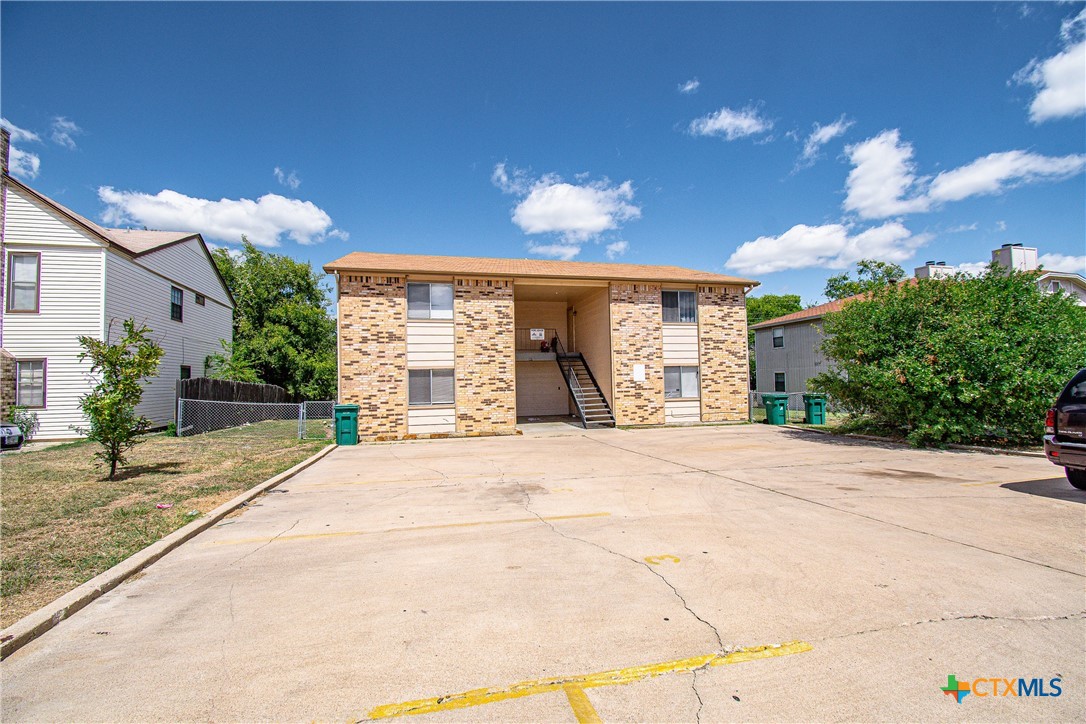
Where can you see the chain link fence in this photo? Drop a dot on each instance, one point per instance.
(308, 420)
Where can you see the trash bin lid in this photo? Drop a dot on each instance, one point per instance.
(346, 408)
(814, 396)
(774, 396)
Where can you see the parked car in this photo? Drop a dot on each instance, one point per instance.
(11, 437)
(1065, 431)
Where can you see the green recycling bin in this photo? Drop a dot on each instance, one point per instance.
(815, 406)
(776, 408)
(346, 417)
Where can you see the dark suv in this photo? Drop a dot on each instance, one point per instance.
(1065, 431)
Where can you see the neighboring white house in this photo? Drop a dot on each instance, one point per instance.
(788, 349)
(64, 276)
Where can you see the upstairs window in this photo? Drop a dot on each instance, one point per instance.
(177, 302)
(429, 387)
(30, 383)
(24, 281)
(429, 301)
(778, 337)
(201, 299)
(681, 382)
(680, 306)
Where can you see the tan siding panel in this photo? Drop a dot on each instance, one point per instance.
(430, 344)
(427, 420)
(680, 344)
(680, 411)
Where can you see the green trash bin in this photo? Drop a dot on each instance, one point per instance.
(776, 408)
(346, 417)
(815, 406)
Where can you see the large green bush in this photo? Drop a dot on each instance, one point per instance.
(964, 359)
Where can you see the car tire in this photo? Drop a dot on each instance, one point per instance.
(1077, 478)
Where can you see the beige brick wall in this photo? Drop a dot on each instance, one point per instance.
(637, 338)
(486, 400)
(7, 383)
(373, 352)
(722, 336)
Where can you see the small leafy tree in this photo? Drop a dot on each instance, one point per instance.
(25, 420)
(870, 275)
(111, 406)
(956, 360)
(231, 364)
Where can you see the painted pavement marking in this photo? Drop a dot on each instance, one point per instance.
(572, 684)
(406, 529)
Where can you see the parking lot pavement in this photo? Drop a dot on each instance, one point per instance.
(712, 573)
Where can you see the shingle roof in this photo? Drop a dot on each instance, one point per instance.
(807, 314)
(362, 261)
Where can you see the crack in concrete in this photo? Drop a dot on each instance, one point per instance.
(694, 688)
(642, 564)
(266, 543)
(964, 617)
(442, 473)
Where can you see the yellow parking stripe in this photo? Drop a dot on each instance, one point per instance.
(407, 529)
(614, 677)
(582, 707)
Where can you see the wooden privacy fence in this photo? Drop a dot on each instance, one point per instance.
(205, 388)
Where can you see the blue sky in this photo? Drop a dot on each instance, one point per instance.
(777, 141)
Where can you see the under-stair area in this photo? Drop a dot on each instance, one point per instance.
(587, 396)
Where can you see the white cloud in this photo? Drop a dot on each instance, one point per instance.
(820, 136)
(972, 268)
(999, 171)
(63, 132)
(1060, 80)
(1063, 262)
(19, 134)
(1001, 225)
(290, 180)
(23, 163)
(562, 251)
(575, 212)
(883, 179)
(263, 221)
(690, 86)
(962, 227)
(830, 246)
(731, 124)
(617, 248)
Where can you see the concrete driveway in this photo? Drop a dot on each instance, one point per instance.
(606, 575)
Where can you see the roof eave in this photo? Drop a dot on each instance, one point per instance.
(334, 268)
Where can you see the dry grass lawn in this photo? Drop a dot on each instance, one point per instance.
(63, 522)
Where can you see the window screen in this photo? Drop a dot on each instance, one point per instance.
(679, 306)
(30, 383)
(778, 382)
(778, 337)
(430, 387)
(429, 301)
(681, 382)
(23, 275)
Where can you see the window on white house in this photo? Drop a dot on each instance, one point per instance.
(177, 301)
(30, 382)
(24, 282)
(778, 382)
(681, 382)
(201, 299)
(429, 387)
(186, 372)
(679, 306)
(778, 337)
(429, 301)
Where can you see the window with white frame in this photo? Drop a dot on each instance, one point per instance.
(778, 337)
(429, 301)
(24, 281)
(30, 383)
(681, 382)
(679, 306)
(778, 382)
(429, 387)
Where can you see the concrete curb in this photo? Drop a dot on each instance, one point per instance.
(35, 624)
(888, 441)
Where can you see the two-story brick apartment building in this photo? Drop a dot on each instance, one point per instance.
(462, 345)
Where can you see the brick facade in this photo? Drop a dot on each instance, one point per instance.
(373, 352)
(486, 398)
(7, 383)
(722, 339)
(637, 337)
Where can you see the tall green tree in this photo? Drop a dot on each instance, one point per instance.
(283, 330)
(120, 368)
(964, 359)
(760, 309)
(870, 275)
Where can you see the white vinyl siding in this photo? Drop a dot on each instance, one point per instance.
(680, 344)
(679, 411)
(187, 266)
(27, 222)
(429, 420)
(430, 344)
(70, 306)
(133, 291)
